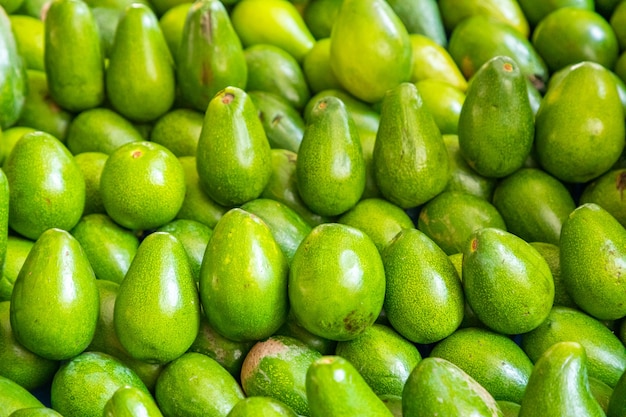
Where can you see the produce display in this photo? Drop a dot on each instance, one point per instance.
(325, 208)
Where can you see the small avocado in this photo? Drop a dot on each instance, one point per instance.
(335, 388)
(283, 124)
(593, 271)
(559, 385)
(130, 402)
(606, 356)
(243, 281)
(276, 367)
(84, 384)
(370, 49)
(330, 169)
(157, 311)
(75, 69)
(209, 56)
(410, 161)
(140, 78)
(336, 282)
(57, 281)
(439, 387)
(493, 360)
(496, 124)
(233, 158)
(47, 189)
(424, 300)
(383, 357)
(534, 205)
(196, 385)
(565, 141)
(506, 281)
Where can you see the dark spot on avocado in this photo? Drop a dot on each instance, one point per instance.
(277, 119)
(538, 83)
(507, 67)
(136, 154)
(206, 77)
(261, 116)
(206, 26)
(322, 105)
(474, 244)
(228, 98)
(620, 184)
(353, 323)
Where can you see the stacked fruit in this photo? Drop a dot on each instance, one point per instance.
(315, 207)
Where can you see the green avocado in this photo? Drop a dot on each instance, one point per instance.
(607, 191)
(57, 281)
(335, 388)
(506, 11)
(424, 300)
(243, 281)
(131, 402)
(617, 402)
(13, 83)
(535, 10)
(421, 17)
(496, 124)
(157, 311)
(194, 236)
(35, 412)
(261, 406)
(75, 69)
(559, 385)
(330, 169)
(234, 157)
(606, 355)
(16, 253)
(210, 56)
(15, 397)
(140, 78)
(439, 387)
(506, 281)
(336, 282)
(410, 161)
(276, 367)
(552, 254)
(592, 268)
(47, 189)
(283, 124)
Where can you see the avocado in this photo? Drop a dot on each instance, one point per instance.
(370, 49)
(552, 254)
(140, 78)
(274, 22)
(450, 218)
(559, 385)
(209, 56)
(157, 311)
(35, 412)
(601, 392)
(439, 387)
(565, 141)
(13, 83)
(233, 157)
(194, 237)
(261, 406)
(424, 300)
(335, 388)
(607, 191)
(91, 165)
(492, 359)
(16, 252)
(534, 205)
(228, 353)
(505, 11)
(243, 281)
(276, 367)
(100, 130)
(75, 69)
(588, 36)
(179, 131)
(593, 272)
(19, 364)
(4, 217)
(109, 247)
(383, 357)
(317, 68)
(535, 10)
(410, 161)
(15, 397)
(130, 402)
(142, 185)
(379, 219)
(274, 70)
(431, 61)
(57, 281)
(330, 169)
(444, 102)
(195, 385)
(617, 402)
(319, 16)
(292, 328)
(507, 283)
(84, 384)
(336, 282)
(47, 189)
(606, 355)
(283, 124)
(421, 17)
(287, 227)
(496, 124)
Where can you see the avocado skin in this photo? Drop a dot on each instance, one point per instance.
(261, 406)
(13, 84)
(14, 397)
(592, 268)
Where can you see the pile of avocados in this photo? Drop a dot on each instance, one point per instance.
(324, 208)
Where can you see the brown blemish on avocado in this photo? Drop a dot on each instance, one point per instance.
(474, 244)
(206, 26)
(268, 348)
(355, 324)
(620, 184)
(228, 98)
(136, 154)
(277, 119)
(507, 67)
(322, 105)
